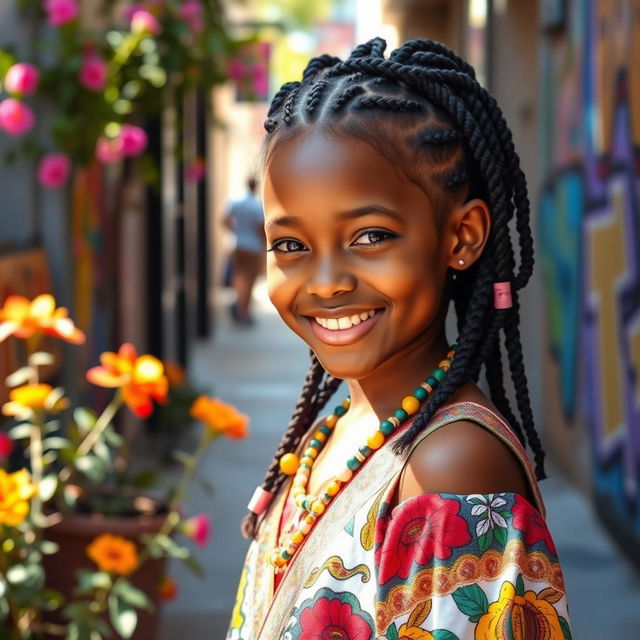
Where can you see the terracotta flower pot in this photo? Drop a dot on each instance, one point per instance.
(75, 532)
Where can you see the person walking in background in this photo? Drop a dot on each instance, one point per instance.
(245, 219)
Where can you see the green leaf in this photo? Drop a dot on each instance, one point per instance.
(48, 487)
(52, 599)
(92, 467)
(123, 617)
(56, 442)
(41, 359)
(130, 595)
(48, 548)
(194, 566)
(53, 398)
(485, 540)
(471, 600)
(169, 547)
(500, 534)
(444, 634)
(21, 431)
(17, 574)
(183, 457)
(565, 628)
(477, 501)
(519, 585)
(85, 419)
(88, 581)
(392, 632)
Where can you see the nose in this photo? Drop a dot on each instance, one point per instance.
(330, 278)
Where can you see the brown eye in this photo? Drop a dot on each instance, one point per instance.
(287, 245)
(372, 237)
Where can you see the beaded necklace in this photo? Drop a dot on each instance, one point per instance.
(313, 507)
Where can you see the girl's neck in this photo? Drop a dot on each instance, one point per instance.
(380, 394)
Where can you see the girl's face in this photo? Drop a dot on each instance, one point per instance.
(356, 264)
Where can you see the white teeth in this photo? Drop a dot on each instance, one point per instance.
(346, 322)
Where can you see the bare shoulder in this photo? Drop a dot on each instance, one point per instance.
(462, 458)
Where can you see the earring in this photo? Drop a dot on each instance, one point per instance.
(461, 262)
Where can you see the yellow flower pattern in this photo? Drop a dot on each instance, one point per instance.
(16, 490)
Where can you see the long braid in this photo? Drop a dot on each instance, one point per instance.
(466, 144)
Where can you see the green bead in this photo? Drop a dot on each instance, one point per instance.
(339, 411)
(305, 505)
(401, 414)
(439, 374)
(432, 382)
(286, 555)
(353, 464)
(420, 393)
(386, 427)
(316, 444)
(324, 429)
(364, 450)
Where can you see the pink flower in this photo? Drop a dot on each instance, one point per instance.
(60, 12)
(93, 73)
(190, 9)
(54, 170)
(144, 22)
(134, 140)
(198, 529)
(22, 78)
(109, 150)
(131, 9)
(16, 118)
(6, 446)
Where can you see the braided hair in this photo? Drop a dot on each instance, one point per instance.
(423, 108)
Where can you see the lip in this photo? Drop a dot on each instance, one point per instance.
(342, 337)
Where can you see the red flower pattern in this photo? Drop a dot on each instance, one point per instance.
(528, 520)
(331, 619)
(419, 529)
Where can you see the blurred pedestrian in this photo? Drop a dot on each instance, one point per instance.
(245, 219)
(413, 509)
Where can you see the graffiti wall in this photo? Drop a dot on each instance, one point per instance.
(590, 242)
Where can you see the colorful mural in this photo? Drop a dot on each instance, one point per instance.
(590, 243)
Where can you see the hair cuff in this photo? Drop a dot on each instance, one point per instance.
(259, 501)
(502, 298)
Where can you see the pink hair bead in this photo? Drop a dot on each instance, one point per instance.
(259, 501)
(502, 295)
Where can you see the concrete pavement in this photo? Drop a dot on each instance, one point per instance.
(261, 370)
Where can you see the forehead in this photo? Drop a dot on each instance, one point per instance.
(318, 166)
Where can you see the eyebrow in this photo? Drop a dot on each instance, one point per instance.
(376, 209)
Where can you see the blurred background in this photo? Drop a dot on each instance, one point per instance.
(133, 242)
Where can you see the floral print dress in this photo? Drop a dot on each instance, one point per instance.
(435, 567)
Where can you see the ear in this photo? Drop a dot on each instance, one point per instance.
(469, 226)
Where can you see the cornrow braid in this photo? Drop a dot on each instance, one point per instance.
(454, 128)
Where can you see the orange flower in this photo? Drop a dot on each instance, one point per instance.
(141, 378)
(167, 589)
(114, 554)
(220, 417)
(23, 318)
(413, 633)
(15, 492)
(32, 396)
(175, 374)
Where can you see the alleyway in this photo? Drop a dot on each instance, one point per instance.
(260, 370)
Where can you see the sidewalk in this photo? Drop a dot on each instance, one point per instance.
(261, 370)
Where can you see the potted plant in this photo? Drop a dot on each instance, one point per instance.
(76, 541)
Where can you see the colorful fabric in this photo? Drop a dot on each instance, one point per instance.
(434, 567)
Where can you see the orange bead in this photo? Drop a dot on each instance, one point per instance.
(333, 488)
(375, 440)
(345, 475)
(311, 518)
(297, 537)
(289, 463)
(410, 404)
(318, 507)
(319, 436)
(310, 452)
(331, 421)
(308, 461)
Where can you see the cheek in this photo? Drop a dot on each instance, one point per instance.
(280, 288)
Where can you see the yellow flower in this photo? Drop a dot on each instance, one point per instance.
(31, 396)
(25, 318)
(220, 417)
(514, 617)
(141, 378)
(413, 633)
(15, 492)
(114, 554)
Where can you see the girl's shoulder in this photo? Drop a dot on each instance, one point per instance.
(467, 454)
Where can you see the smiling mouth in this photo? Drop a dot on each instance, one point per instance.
(346, 329)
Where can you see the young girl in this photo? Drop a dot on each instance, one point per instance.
(411, 511)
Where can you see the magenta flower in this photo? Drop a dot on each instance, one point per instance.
(54, 170)
(190, 9)
(93, 73)
(6, 446)
(16, 118)
(144, 22)
(131, 9)
(198, 528)
(60, 12)
(22, 78)
(134, 140)
(109, 150)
